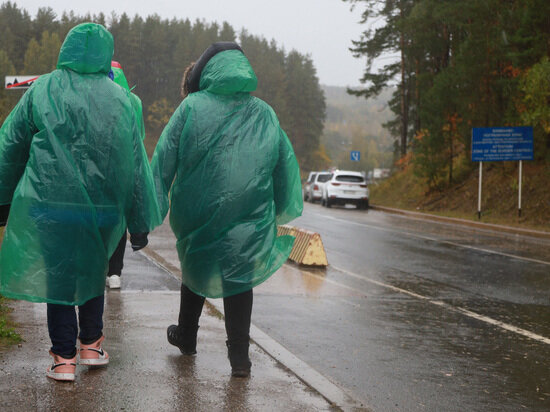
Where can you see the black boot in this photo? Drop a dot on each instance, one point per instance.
(238, 357)
(184, 338)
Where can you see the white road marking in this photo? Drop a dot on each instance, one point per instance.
(469, 313)
(433, 239)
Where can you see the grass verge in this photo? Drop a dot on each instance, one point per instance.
(499, 202)
(8, 336)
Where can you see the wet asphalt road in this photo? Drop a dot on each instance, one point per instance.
(413, 315)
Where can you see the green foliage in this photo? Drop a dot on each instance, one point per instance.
(42, 57)
(535, 85)
(7, 98)
(154, 52)
(158, 115)
(305, 108)
(7, 334)
(461, 64)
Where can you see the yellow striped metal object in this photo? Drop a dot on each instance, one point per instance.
(308, 247)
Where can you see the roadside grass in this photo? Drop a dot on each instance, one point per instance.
(8, 336)
(499, 203)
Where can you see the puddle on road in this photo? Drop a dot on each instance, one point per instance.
(293, 279)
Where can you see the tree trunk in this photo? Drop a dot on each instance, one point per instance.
(451, 154)
(404, 103)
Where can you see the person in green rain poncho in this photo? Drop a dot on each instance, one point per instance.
(74, 169)
(116, 262)
(232, 176)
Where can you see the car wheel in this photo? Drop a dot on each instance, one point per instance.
(305, 197)
(323, 202)
(328, 203)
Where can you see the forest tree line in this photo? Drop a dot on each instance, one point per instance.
(154, 52)
(456, 65)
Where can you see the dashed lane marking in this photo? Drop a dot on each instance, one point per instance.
(457, 309)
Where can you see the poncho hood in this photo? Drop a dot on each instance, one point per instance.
(228, 72)
(118, 75)
(88, 48)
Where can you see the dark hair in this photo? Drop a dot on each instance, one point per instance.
(194, 78)
(184, 80)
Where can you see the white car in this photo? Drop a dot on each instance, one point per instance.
(313, 188)
(308, 186)
(345, 187)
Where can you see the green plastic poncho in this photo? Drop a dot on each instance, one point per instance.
(232, 176)
(120, 79)
(73, 167)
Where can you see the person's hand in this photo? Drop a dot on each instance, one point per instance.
(4, 213)
(138, 240)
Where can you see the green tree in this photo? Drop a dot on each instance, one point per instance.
(42, 57)
(15, 32)
(534, 105)
(45, 20)
(306, 108)
(391, 38)
(269, 64)
(158, 115)
(8, 98)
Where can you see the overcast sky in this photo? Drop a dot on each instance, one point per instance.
(323, 29)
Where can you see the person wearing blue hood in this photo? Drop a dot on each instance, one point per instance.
(74, 170)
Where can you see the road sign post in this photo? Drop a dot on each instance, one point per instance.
(519, 190)
(491, 144)
(479, 191)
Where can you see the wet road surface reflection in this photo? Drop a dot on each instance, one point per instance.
(403, 352)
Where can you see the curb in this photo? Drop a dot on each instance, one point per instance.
(335, 395)
(464, 222)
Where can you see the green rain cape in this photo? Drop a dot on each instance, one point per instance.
(232, 176)
(73, 167)
(120, 79)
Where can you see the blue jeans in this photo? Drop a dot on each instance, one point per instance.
(63, 326)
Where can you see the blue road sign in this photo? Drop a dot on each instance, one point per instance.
(355, 155)
(491, 144)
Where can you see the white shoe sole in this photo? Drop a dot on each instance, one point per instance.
(93, 362)
(61, 376)
(113, 282)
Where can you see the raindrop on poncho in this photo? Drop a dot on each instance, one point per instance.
(73, 167)
(231, 176)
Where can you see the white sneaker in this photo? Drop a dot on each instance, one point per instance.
(113, 282)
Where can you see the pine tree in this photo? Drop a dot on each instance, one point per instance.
(8, 98)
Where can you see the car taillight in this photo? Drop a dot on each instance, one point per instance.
(315, 187)
(335, 184)
(363, 185)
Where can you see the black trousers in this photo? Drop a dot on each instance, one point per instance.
(116, 263)
(237, 310)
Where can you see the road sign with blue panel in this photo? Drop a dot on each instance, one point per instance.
(491, 144)
(355, 155)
